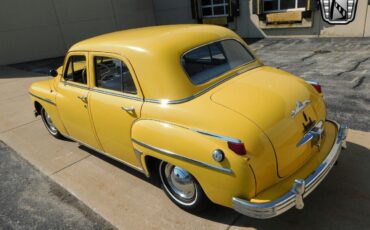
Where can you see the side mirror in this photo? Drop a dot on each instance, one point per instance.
(53, 73)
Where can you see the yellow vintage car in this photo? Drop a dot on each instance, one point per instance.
(194, 106)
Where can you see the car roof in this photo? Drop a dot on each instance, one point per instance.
(137, 39)
(155, 53)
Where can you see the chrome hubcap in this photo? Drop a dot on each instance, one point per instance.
(49, 122)
(180, 182)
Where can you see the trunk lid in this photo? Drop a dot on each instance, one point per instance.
(267, 97)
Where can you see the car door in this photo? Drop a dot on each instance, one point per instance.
(115, 103)
(72, 99)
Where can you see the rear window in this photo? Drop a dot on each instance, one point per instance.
(212, 60)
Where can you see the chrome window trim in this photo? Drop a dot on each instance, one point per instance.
(209, 43)
(65, 82)
(43, 99)
(117, 94)
(98, 90)
(203, 91)
(180, 157)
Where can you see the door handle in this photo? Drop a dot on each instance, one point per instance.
(128, 109)
(82, 98)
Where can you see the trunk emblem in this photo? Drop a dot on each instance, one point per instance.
(299, 106)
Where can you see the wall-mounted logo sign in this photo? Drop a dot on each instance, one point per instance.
(338, 11)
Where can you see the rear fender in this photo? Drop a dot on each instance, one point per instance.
(192, 151)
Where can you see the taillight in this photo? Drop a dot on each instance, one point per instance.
(237, 148)
(316, 85)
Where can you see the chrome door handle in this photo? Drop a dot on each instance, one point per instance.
(128, 109)
(82, 98)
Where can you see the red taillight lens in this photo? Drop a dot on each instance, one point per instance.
(237, 148)
(317, 86)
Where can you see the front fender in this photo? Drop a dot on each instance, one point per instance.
(43, 93)
(192, 151)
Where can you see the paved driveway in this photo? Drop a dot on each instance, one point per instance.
(341, 65)
(129, 201)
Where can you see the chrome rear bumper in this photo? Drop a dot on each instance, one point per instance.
(300, 189)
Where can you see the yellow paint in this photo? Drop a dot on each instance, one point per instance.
(254, 106)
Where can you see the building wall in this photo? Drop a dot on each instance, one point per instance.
(172, 12)
(358, 28)
(37, 29)
(247, 24)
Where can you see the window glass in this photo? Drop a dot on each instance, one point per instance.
(76, 69)
(209, 61)
(283, 5)
(302, 3)
(215, 8)
(287, 4)
(270, 5)
(206, 2)
(113, 74)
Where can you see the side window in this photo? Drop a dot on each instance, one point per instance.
(76, 69)
(113, 74)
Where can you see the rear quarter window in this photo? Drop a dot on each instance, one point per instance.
(207, 62)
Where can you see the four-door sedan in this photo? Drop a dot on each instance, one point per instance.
(193, 105)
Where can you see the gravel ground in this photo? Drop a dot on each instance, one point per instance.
(341, 65)
(30, 200)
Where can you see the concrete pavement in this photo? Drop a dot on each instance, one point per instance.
(130, 201)
(31, 200)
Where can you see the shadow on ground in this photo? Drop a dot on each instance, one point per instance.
(40, 66)
(342, 200)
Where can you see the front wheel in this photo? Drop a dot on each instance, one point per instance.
(182, 188)
(50, 125)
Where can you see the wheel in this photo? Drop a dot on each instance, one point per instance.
(182, 188)
(49, 124)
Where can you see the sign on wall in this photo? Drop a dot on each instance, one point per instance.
(338, 11)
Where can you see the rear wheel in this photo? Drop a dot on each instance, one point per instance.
(182, 188)
(49, 124)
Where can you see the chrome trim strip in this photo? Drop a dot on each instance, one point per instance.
(177, 101)
(180, 157)
(116, 94)
(75, 85)
(294, 197)
(186, 99)
(224, 138)
(312, 82)
(43, 99)
(103, 91)
(106, 154)
(221, 137)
